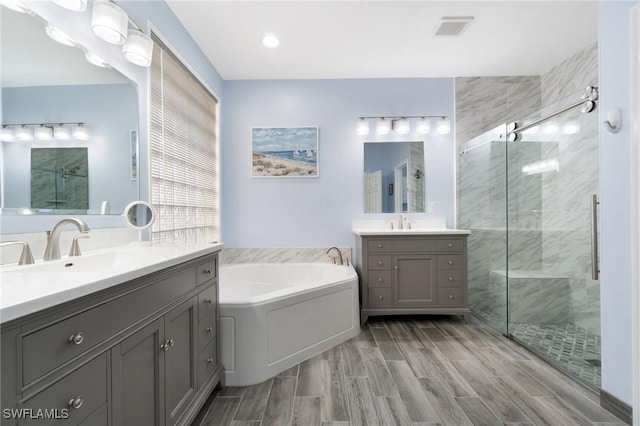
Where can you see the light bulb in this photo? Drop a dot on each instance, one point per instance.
(61, 133)
(138, 49)
(7, 134)
(109, 22)
(80, 132)
(74, 5)
(382, 126)
(362, 127)
(270, 40)
(24, 134)
(423, 126)
(43, 133)
(443, 127)
(58, 35)
(96, 60)
(402, 126)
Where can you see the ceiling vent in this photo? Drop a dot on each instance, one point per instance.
(452, 26)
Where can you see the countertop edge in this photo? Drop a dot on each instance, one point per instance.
(28, 307)
(399, 233)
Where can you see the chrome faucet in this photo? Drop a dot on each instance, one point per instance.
(401, 221)
(339, 257)
(26, 258)
(52, 252)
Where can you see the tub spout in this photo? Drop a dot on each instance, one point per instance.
(339, 257)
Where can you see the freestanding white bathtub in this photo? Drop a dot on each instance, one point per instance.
(276, 315)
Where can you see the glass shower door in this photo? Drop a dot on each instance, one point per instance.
(553, 299)
(482, 192)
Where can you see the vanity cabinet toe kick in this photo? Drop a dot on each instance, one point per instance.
(412, 274)
(142, 352)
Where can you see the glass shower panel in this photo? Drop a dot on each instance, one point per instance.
(553, 302)
(482, 210)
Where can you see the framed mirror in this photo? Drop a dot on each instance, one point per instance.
(45, 84)
(394, 177)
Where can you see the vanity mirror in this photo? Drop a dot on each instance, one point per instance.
(45, 83)
(394, 177)
(139, 215)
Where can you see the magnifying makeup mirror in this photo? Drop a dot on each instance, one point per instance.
(139, 215)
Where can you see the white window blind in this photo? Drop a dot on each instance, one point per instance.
(184, 153)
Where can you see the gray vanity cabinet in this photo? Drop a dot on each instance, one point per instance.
(412, 274)
(140, 353)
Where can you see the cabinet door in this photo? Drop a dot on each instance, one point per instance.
(414, 280)
(136, 378)
(180, 359)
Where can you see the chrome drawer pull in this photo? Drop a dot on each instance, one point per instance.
(450, 262)
(206, 271)
(450, 278)
(379, 245)
(77, 338)
(209, 360)
(380, 297)
(208, 329)
(380, 280)
(208, 301)
(170, 342)
(379, 262)
(450, 245)
(76, 402)
(395, 267)
(167, 345)
(451, 297)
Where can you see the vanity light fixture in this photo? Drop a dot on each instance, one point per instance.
(402, 125)
(109, 22)
(423, 126)
(382, 126)
(7, 134)
(362, 126)
(74, 5)
(80, 132)
(444, 126)
(58, 35)
(43, 133)
(138, 49)
(24, 133)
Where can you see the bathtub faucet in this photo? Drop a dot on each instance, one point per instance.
(339, 257)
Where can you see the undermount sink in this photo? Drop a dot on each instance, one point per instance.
(432, 226)
(83, 264)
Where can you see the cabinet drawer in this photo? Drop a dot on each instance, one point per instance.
(450, 296)
(138, 304)
(54, 345)
(449, 245)
(378, 246)
(205, 271)
(207, 302)
(414, 245)
(379, 297)
(453, 261)
(206, 331)
(207, 361)
(86, 387)
(380, 279)
(379, 262)
(450, 278)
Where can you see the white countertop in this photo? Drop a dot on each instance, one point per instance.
(400, 232)
(30, 288)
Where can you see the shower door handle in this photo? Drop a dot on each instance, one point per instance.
(595, 270)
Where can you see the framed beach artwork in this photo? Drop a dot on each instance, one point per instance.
(284, 152)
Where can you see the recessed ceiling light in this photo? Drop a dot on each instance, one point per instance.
(270, 40)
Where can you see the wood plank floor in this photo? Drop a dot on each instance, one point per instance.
(413, 371)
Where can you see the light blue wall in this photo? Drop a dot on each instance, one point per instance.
(615, 200)
(110, 111)
(146, 14)
(317, 212)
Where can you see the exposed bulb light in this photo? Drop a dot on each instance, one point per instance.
(401, 126)
(15, 5)
(74, 5)
(96, 60)
(7, 134)
(43, 133)
(61, 133)
(270, 40)
(138, 49)
(80, 132)
(362, 127)
(58, 35)
(24, 134)
(109, 22)
(382, 126)
(444, 126)
(423, 126)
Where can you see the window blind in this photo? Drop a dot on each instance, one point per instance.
(183, 132)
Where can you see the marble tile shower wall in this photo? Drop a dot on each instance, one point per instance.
(482, 103)
(279, 255)
(416, 177)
